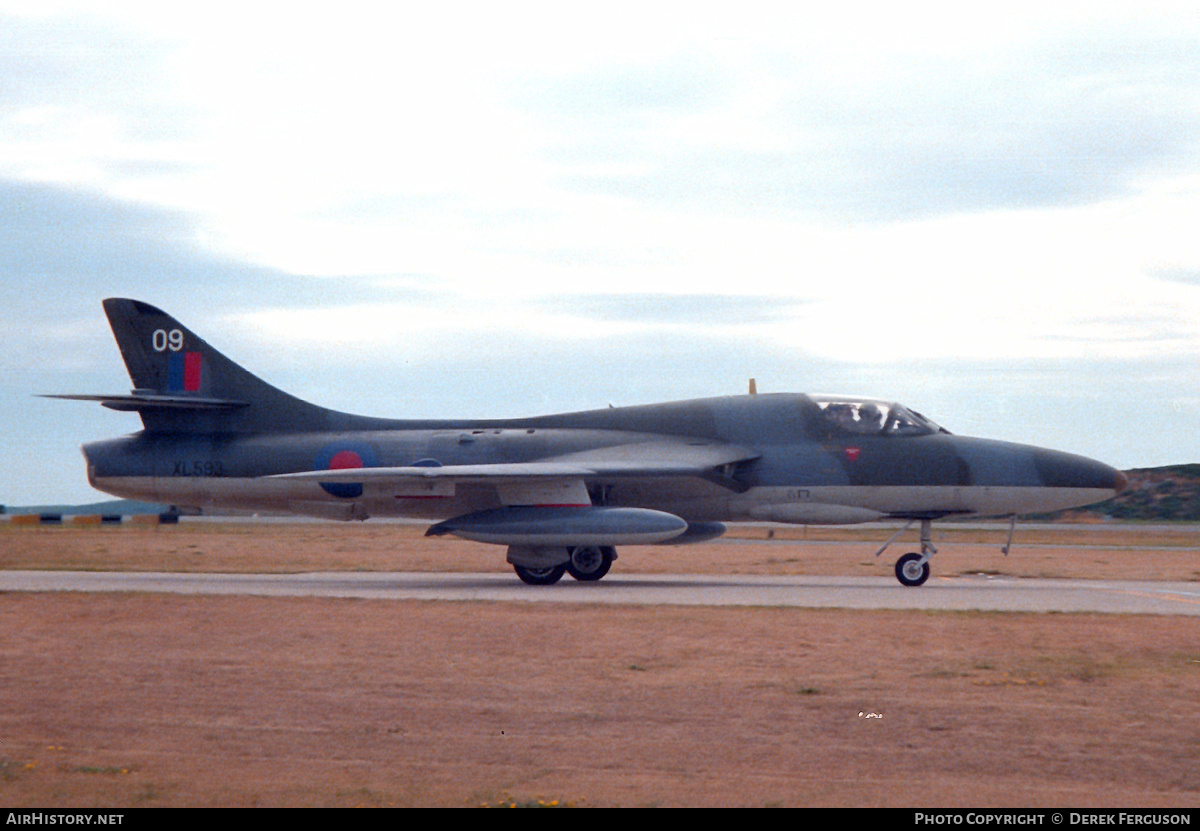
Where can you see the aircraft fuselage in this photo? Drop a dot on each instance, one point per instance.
(800, 475)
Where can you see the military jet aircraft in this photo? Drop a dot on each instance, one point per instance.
(560, 491)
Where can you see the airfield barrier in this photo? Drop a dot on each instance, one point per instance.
(168, 518)
(89, 520)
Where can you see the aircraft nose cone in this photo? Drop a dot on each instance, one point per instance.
(1064, 470)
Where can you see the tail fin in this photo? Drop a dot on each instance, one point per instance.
(183, 385)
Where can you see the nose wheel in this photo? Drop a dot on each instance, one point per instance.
(913, 569)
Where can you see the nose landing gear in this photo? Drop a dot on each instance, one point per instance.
(913, 569)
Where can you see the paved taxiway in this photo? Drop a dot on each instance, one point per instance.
(944, 593)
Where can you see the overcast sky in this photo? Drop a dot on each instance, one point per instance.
(510, 209)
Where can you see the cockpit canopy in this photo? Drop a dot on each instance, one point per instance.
(872, 417)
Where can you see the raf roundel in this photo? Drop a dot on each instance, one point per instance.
(343, 460)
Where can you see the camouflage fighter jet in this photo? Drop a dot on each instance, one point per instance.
(560, 491)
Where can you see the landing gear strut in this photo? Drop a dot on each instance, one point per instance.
(913, 569)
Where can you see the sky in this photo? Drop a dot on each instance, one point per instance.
(493, 210)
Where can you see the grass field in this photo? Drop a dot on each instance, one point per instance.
(1113, 551)
(154, 700)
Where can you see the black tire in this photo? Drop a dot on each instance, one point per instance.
(540, 576)
(589, 563)
(910, 571)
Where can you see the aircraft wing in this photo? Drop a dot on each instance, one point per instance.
(636, 460)
(457, 473)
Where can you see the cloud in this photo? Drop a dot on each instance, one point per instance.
(1183, 276)
(674, 309)
(56, 62)
(974, 213)
(62, 250)
(835, 136)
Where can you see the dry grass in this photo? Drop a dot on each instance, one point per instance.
(1112, 552)
(156, 700)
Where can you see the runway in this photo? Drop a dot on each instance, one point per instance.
(980, 593)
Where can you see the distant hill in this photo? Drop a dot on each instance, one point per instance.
(1159, 493)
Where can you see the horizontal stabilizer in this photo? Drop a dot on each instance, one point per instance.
(141, 403)
(181, 384)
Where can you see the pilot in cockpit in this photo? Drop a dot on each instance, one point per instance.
(870, 419)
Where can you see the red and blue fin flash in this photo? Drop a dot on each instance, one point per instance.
(183, 371)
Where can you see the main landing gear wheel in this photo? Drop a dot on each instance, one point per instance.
(589, 562)
(911, 571)
(547, 576)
